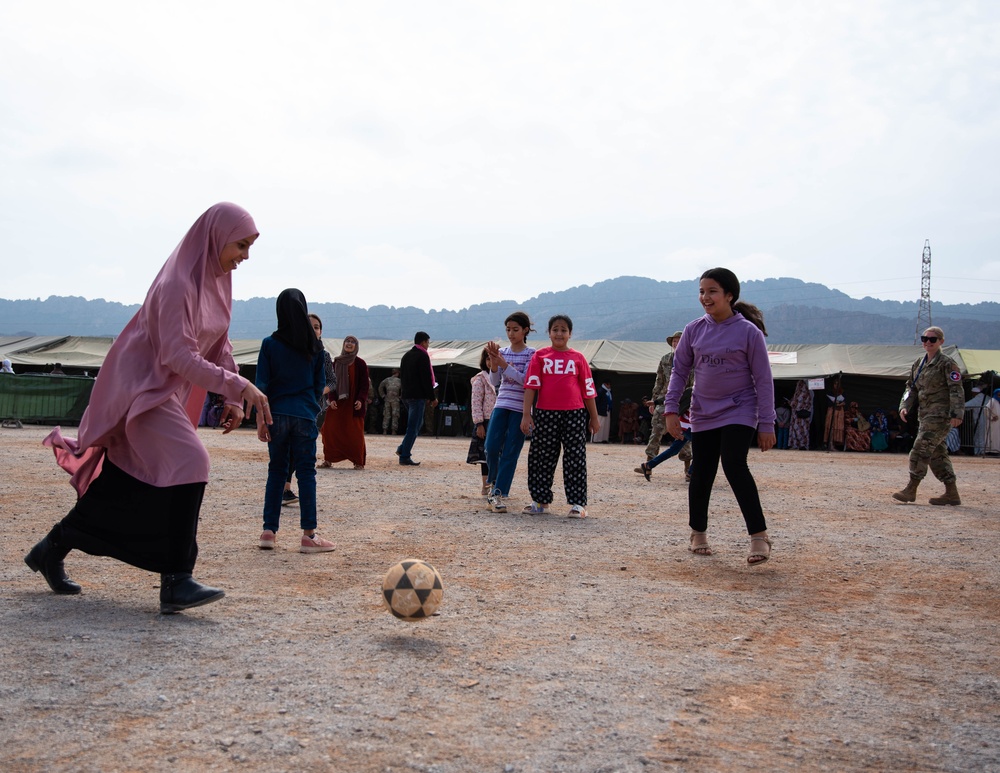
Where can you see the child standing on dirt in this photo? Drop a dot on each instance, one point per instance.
(733, 401)
(290, 372)
(504, 438)
(566, 409)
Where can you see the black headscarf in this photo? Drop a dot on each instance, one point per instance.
(294, 326)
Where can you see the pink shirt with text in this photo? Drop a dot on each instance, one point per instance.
(562, 379)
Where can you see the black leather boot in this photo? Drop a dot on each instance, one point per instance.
(47, 557)
(181, 591)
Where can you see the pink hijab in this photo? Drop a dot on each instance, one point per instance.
(178, 339)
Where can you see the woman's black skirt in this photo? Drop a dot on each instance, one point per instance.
(151, 527)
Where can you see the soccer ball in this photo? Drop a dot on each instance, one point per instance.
(412, 589)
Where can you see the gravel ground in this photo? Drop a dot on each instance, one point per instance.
(868, 642)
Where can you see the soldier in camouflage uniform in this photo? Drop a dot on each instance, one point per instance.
(389, 390)
(657, 427)
(935, 387)
(659, 390)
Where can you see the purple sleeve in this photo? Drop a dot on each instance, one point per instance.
(763, 381)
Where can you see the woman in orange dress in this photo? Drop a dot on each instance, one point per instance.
(344, 426)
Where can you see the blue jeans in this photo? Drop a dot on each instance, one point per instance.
(782, 437)
(291, 435)
(414, 421)
(504, 441)
(674, 448)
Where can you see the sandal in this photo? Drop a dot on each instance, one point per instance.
(325, 463)
(700, 548)
(756, 557)
(644, 470)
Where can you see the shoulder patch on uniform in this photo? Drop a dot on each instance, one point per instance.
(955, 376)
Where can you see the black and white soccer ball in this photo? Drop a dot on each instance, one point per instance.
(412, 589)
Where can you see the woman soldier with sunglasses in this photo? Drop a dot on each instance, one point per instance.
(935, 386)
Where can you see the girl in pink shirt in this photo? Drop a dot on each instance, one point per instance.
(566, 408)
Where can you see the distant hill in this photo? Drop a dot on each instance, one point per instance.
(627, 308)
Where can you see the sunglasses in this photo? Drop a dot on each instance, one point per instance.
(929, 339)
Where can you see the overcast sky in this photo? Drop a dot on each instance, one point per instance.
(440, 154)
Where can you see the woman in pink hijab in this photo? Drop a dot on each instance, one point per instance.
(138, 466)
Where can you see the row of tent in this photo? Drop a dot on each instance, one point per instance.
(788, 361)
(872, 376)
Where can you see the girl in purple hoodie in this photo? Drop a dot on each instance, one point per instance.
(733, 400)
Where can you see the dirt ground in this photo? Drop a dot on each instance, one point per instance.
(868, 642)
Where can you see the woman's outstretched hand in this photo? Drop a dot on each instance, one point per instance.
(254, 398)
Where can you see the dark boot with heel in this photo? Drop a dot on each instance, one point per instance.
(181, 591)
(47, 557)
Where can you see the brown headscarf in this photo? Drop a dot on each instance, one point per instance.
(340, 365)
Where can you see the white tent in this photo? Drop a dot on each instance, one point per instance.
(788, 361)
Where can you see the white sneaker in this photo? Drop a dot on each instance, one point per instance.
(498, 503)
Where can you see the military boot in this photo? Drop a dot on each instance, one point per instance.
(908, 494)
(950, 496)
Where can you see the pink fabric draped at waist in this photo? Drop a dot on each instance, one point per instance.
(159, 447)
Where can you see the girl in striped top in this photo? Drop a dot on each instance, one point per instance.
(504, 438)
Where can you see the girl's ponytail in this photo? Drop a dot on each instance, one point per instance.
(752, 313)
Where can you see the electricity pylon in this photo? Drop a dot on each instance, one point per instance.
(924, 309)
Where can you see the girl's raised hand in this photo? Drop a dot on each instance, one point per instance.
(496, 360)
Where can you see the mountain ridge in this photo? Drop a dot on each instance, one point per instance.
(625, 308)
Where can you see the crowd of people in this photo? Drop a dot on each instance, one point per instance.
(845, 426)
(172, 366)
